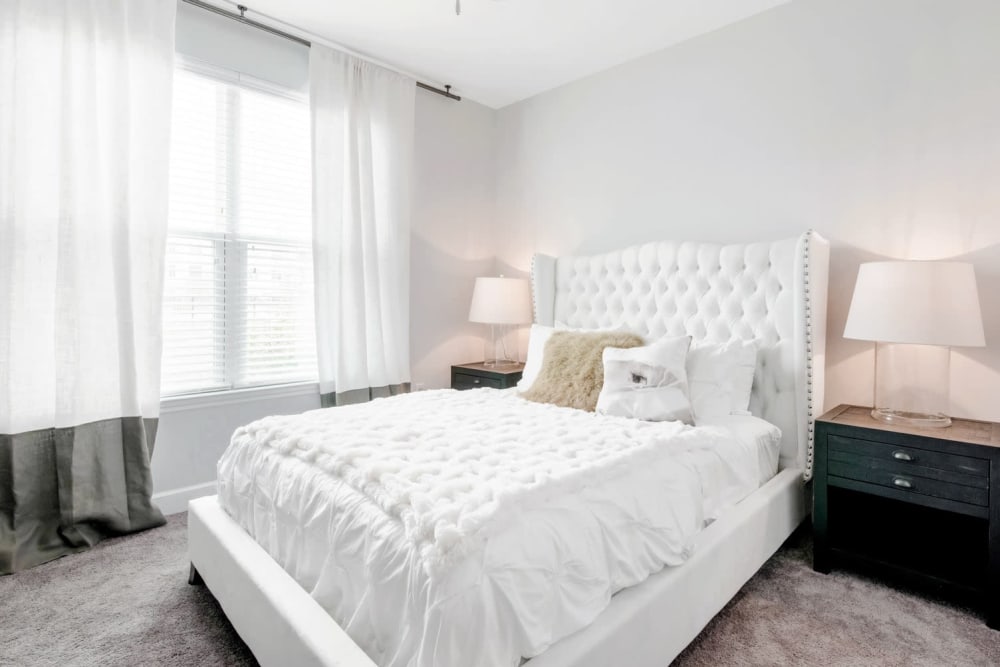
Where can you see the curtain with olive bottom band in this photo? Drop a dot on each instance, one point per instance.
(362, 135)
(63, 490)
(85, 98)
(352, 396)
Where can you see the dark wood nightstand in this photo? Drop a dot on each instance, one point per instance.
(922, 505)
(476, 375)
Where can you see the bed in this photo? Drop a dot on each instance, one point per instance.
(773, 293)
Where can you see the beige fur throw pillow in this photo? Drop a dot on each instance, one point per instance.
(572, 371)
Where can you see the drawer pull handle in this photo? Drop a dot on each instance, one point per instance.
(902, 456)
(902, 483)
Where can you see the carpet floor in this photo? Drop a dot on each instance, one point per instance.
(127, 602)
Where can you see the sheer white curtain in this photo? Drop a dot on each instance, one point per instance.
(85, 91)
(362, 124)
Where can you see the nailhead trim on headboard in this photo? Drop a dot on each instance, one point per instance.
(810, 414)
(534, 282)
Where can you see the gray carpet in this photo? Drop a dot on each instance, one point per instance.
(127, 602)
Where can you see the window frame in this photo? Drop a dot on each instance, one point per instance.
(224, 242)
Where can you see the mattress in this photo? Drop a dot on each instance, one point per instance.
(457, 528)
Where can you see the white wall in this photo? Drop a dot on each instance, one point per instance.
(453, 202)
(227, 43)
(192, 437)
(875, 123)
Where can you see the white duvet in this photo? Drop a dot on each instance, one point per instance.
(476, 528)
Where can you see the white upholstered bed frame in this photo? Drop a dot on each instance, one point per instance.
(774, 293)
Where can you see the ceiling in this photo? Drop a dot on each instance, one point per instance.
(502, 51)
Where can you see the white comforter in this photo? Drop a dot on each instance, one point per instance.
(472, 528)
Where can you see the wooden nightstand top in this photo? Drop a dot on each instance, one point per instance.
(483, 368)
(961, 430)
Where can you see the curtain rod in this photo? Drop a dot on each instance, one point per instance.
(241, 17)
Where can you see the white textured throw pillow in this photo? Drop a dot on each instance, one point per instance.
(648, 383)
(720, 378)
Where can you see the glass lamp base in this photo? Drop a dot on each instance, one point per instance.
(500, 363)
(912, 419)
(911, 385)
(500, 349)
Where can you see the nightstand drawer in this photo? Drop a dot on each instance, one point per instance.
(846, 461)
(468, 381)
(908, 482)
(907, 457)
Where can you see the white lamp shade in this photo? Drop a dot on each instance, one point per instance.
(500, 301)
(923, 303)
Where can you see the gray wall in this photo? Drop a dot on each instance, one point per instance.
(875, 123)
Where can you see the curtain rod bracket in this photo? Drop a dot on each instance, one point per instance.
(243, 11)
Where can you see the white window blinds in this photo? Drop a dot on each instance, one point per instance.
(238, 296)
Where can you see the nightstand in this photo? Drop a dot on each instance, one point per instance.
(476, 375)
(914, 504)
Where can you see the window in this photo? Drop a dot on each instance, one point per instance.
(238, 296)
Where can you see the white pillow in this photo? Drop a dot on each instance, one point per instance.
(537, 339)
(648, 383)
(720, 378)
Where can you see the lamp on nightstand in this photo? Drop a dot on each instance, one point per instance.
(503, 303)
(915, 311)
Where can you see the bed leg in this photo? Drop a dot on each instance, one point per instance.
(194, 578)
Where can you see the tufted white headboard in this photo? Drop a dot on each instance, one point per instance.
(772, 293)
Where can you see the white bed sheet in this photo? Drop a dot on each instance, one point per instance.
(540, 578)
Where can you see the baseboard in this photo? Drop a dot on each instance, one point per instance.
(176, 500)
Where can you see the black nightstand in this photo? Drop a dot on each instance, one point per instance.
(476, 375)
(915, 504)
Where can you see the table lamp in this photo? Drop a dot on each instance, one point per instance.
(503, 303)
(915, 311)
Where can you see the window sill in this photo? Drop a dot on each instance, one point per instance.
(231, 396)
